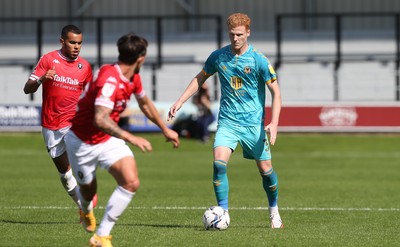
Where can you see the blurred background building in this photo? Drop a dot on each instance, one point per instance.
(325, 51)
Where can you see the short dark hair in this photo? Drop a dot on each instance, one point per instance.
(131, 47)
(69, 29)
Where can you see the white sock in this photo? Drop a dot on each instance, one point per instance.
(273, 210)
(70, 185)
(116, 205)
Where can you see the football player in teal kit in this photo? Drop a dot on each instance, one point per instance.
(244, 74)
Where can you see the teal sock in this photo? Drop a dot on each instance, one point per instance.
(270, 184)
(221, 185)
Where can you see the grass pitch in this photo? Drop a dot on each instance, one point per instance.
(335, 190)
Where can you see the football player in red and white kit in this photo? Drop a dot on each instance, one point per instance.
(63, 76)
(96, 139)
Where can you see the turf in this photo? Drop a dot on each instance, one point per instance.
(335, 190)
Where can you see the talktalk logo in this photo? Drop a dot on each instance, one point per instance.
(338, 116)
(66, 80)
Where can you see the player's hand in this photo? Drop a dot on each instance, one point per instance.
(141, 143)
(173, 110)
(172, 137)
(273, 131)
(50, 75)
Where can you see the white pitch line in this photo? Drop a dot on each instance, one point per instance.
(283, 209)
(203, 208)
(340, 209)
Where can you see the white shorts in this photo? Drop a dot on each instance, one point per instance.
(85, 158)
(54, 140)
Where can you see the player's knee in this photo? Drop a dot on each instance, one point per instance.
(132, 185)
(265, 165)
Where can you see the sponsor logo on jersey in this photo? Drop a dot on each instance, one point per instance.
(236, 82)
(66, 80)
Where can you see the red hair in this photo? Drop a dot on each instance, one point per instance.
(238, 19)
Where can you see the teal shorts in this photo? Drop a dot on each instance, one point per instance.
(253, 140)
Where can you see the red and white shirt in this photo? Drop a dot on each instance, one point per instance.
(111, 89)
(60, 95)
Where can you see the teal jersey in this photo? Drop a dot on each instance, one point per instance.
(242, 82)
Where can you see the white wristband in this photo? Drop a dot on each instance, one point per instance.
(38, 81)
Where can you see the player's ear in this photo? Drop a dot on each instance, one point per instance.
(62, 41)
(141, 59)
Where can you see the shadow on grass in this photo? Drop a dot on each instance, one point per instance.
(32, 223)
(160, 225)
(128, 225)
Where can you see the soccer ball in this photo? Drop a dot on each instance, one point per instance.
(216, 218)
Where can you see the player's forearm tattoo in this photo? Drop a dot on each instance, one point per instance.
(105, 123)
